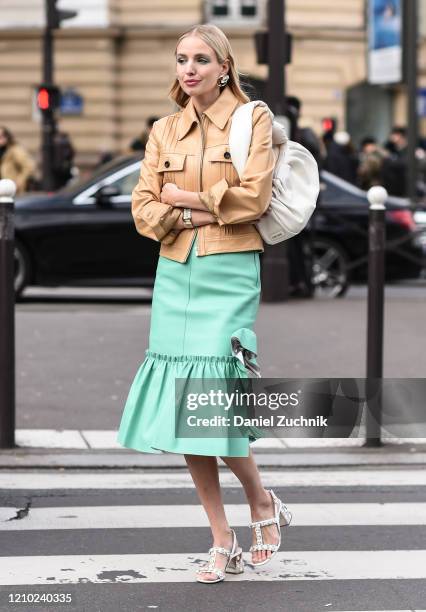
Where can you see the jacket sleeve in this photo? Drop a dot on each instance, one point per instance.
(249, 200)
(153, 218)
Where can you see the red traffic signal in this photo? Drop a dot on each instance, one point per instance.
(48, 97)
(329, 124)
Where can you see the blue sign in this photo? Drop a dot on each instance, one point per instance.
(386, 26)
(421, 102)
(385, 41)
(71, 102)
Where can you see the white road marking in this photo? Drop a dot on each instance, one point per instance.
(54, 479)
(139, 517)
(149, 568)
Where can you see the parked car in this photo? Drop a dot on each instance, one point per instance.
(84, 235)
(420, 219)
(339, 237)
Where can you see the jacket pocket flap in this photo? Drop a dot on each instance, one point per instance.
(169, 162)
(220, 154)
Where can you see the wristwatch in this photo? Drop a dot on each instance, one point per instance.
(187, 217)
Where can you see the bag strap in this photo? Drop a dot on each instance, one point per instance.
(240, 133)
(241, 130)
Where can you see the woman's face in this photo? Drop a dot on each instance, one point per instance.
(197, 68)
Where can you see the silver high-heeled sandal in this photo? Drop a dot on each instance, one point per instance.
(282, 517)
(234, 563)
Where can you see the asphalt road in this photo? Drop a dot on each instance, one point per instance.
(117, 541)
(78, 350)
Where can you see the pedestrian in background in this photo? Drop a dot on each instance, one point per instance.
(139, 144)
(342, 159)
(371, 159)
(63, 161)
(304, 135)
(15, 162)
(207, 286)
(395, 166)
(300, 247)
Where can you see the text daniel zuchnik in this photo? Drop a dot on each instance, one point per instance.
(271, 421)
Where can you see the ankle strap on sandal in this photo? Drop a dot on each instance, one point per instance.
(219, 549)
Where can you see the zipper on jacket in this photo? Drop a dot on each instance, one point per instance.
(202, 155)
(200, 177)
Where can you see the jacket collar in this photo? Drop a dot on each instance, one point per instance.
(218, 112)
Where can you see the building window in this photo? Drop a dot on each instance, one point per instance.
(235, 12)
(248, 8)
(220, 8)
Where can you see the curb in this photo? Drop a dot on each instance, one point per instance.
(387, 455)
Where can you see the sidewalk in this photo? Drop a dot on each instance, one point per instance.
(77, 359)
(89, 449)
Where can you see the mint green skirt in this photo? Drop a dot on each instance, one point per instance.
(197, 307)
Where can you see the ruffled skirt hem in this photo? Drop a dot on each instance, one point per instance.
(149, 416)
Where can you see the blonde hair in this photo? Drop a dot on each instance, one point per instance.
(216, 39)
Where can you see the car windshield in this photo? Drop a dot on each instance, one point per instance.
(97, 174)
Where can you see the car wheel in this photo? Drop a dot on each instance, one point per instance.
(22, 268)
(330, 275)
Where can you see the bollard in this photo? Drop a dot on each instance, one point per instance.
(7, 316)
(377, 197)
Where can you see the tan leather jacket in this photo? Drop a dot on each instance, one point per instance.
(196, 158)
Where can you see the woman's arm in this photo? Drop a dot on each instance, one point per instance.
(152, 218)
(199, 217)
(172, 195)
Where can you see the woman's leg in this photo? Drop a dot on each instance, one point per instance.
(205, 474)
(260, 501)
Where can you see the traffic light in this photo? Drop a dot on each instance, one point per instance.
(48, 98)
(54, 16)
(261, 45)
(329, 124)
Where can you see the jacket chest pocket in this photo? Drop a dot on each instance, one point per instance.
(219, 166)
(172, 168)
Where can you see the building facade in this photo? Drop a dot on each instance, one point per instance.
(118, 56)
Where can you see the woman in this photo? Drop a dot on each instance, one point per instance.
(207, 284)
(15, 162)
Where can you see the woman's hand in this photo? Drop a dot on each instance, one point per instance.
(170, 194)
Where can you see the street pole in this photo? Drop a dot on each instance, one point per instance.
(377, 197)
(275, 271)
(411, 70)
(48, 123)
(7, 316)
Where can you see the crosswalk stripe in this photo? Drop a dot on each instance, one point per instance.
(156, 516)
(150, 568)
(182, 479)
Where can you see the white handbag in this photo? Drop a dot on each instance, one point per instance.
(295, 182)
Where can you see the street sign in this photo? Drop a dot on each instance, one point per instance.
(421, 102)
(71, 102)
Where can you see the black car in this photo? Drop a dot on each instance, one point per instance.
(339, 236)
(84, 234)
